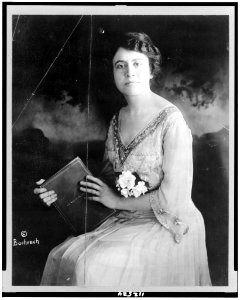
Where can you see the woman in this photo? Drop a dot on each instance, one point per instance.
(157, 239)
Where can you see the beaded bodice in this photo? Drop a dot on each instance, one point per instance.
(122, 150)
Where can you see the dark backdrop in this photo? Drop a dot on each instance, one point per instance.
(52, 128)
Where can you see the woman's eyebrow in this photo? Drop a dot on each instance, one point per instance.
(119, 61)
(135, 59)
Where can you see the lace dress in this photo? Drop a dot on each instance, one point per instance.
(162, 247)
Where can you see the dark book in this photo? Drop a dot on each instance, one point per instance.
(80, 213)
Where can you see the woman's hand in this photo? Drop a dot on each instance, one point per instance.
(100, 192)
(48, 197)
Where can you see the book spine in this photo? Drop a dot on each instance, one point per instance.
(84, 167)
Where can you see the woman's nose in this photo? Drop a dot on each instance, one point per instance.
(130, 71)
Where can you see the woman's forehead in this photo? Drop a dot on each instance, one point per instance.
(128, 55)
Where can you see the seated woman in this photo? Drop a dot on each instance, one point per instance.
(157, 239)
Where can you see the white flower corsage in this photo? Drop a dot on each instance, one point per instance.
(130, 184)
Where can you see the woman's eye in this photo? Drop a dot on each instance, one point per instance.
(120, 66)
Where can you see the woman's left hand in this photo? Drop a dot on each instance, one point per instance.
(100, 192)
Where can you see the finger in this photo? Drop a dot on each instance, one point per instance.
(91, 185)
(39, 190)
(95, 179)
(94, 198)
(51, 201)
(90, 191)
(47, 200)
(47, 194)
(48, 203)
(41, 181)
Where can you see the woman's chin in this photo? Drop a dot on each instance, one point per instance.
(133, 92)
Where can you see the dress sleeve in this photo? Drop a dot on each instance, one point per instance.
(174, 194)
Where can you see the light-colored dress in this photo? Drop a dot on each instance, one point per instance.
(162, 247)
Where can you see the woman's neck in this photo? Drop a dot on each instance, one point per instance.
(140, 103)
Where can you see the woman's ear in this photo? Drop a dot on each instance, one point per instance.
(151, 72)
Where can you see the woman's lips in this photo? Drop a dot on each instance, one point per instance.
(131, 82)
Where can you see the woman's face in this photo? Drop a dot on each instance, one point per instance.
(131, 72)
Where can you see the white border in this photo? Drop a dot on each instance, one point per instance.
(232, 275)
(119, 10)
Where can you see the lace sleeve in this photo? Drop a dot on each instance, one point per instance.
(174, 194)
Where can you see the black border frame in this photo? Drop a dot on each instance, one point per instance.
(4, 150)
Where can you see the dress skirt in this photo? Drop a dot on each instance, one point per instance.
(131, 249)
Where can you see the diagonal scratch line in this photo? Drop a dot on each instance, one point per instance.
(37, 86)
(223, 126)
(15, 27)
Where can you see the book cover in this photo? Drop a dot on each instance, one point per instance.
(80, 213)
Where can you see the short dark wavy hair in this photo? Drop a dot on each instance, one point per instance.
(139, 42)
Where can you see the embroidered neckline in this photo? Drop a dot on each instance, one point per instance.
(142, 130)
(124, 150)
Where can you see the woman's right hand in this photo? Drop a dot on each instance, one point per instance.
(48, 197)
